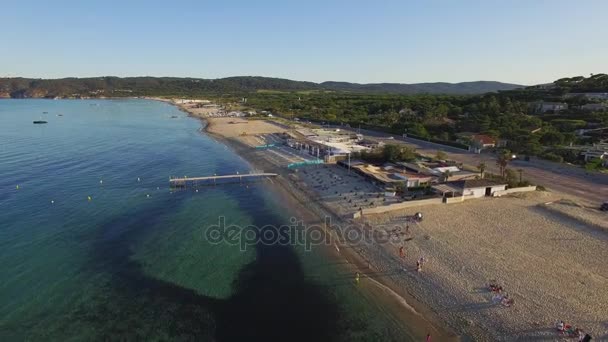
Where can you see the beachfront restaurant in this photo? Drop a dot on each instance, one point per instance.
(389, 174)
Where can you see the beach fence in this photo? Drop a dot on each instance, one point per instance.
(397, 206)
(513, 191)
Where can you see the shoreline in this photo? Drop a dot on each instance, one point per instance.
(469, 244)
(415, 316)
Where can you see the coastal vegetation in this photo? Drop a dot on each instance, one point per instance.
(511, 116)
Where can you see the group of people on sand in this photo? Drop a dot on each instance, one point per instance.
(419, 262)
(572, 331)
(499, 295)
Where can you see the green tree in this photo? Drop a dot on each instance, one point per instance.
(391, 152)
(407, 154)
(419, 130)
(440, 155)
(502, 161)
(482, 168)
(552, 138)
(521, 175)
(396, 153)
(511, 178)
(446, 175)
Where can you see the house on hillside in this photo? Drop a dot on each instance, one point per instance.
(591, 96)
(482, 141)
(473, 188)
(595, 107)
(477, 142)
(544, 107)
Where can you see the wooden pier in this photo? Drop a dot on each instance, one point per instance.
(207, 180)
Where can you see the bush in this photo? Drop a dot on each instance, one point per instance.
(512, 178)
(568, 155)
(552, 157)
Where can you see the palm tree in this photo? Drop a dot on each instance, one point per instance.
(502, 161)
(446, 175)
(521, 172)
(482, 168)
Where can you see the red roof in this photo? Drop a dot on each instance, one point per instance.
(484, 139)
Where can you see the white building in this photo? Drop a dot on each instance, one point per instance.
(443, 169)
(543, 107)
(474, 188)
(594, 107)
(591, 96)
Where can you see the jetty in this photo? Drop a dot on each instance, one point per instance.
(184, 181)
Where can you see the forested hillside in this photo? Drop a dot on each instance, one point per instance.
(190, 87)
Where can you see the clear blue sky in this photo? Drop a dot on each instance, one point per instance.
(525, 42)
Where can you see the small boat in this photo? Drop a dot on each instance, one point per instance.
(45, 112)
(59, 114)
(39, 122)
(174, 116)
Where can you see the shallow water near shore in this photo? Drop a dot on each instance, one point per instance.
(133, 262)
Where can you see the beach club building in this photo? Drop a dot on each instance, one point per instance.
(471, 188)
(389, 174)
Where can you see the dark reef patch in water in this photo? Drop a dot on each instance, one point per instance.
(272, 299)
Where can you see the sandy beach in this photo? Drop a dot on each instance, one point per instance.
(418, 318)
(548, 256)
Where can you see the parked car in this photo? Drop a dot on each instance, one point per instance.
(604, 206)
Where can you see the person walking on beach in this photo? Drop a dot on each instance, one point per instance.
(428, 337)
(422, 260)
(401, 252)
(357, 278)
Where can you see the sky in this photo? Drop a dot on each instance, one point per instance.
(523, 42)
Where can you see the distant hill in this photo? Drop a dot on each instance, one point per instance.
(171, 86)
(478, 87)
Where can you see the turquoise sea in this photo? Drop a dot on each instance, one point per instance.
(133, 262)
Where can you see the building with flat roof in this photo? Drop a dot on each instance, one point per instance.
(462, 175)
(442, 169)
(474, 188)
(389, 174)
